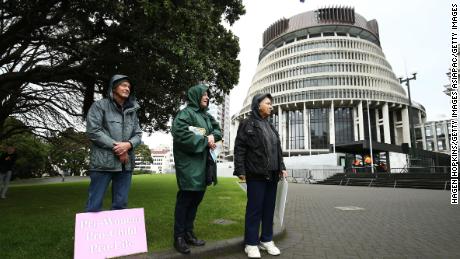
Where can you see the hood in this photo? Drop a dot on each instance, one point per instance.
(113, 82)
(255, 104)
(194, 95)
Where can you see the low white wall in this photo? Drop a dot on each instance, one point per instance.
(309, 162)
(320, 166)
(397, 160)
(225, 169)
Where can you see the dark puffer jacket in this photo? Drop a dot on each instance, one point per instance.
(250, 152)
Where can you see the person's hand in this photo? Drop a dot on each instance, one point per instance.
(211, 142)
(242, 177)
(120, 148)
(124, 158)
(283, 174)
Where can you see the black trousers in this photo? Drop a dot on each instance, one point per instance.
(186, 207)
(260, 208)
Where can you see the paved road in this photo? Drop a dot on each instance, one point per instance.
(393, 223)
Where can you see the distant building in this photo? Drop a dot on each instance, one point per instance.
(221, 113)
(226, 121)
(326, 71)
(333, 90)
(434, 136)
(141, 165)
(163, 160)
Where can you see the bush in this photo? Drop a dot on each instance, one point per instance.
(137, 172)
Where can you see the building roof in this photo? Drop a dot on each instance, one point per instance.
(329, 19)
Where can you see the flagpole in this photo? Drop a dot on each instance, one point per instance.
(370, 137)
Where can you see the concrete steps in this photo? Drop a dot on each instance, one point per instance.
(409, 180)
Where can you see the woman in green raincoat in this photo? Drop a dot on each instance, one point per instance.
(194, 133)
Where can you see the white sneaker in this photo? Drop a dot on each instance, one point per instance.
(270, 248)
(252, 251)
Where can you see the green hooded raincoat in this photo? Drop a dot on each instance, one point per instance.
(190, 149)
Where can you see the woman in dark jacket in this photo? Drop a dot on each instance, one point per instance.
(259, 161)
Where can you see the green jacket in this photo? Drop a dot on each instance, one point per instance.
(106, 123)
(191, 150)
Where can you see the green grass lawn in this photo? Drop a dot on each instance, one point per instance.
(37, 221)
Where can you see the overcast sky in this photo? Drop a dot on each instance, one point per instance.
(414, 36)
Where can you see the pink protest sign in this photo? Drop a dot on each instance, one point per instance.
(108, 234)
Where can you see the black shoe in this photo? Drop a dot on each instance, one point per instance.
(191, 239)
(181, 246)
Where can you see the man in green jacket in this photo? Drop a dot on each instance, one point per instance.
(194, 133)
(112, 126)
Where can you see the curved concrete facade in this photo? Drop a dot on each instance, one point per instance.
(323, 69)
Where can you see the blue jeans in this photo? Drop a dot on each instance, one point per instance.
(260, 208)
(121, 181)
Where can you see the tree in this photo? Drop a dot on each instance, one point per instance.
(57, 56)
(32, 159)
(69, 150)
(143, 153)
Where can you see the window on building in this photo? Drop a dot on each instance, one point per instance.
(302, 38)
(343, 122)
(372, 122)
(441, 145)
(274, 119)
(415, 117)
(419, 144)
(429, 145)
(295, 130)
(439, 130)
(380, 114)
(319, 128)
(418, 133)
(382, 134)
(398, 115)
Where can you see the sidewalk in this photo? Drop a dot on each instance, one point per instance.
(374, 223)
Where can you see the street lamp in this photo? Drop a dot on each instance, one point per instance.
(411, 121)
